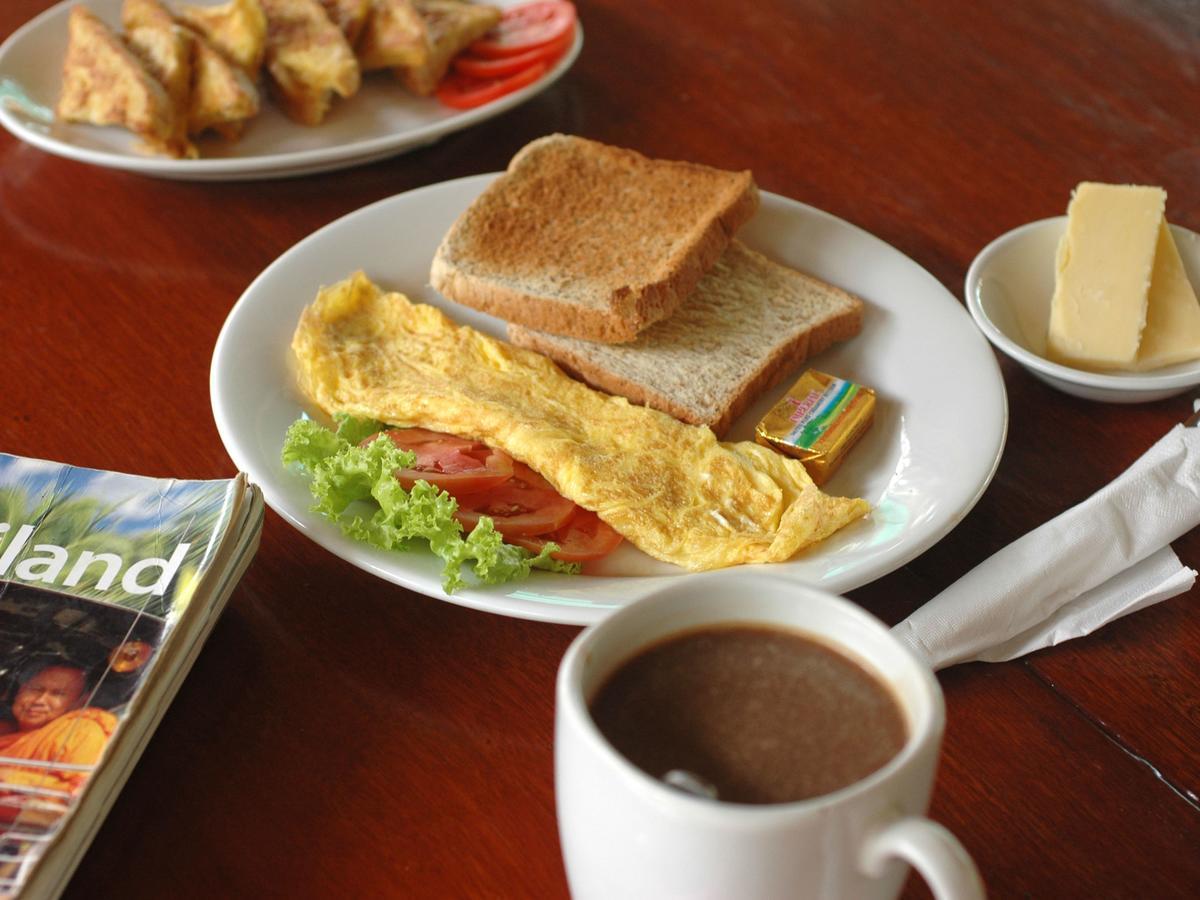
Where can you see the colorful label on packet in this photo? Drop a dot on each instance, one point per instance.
(818, 420)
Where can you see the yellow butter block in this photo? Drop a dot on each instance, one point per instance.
(1122, 300)
(1102, 275)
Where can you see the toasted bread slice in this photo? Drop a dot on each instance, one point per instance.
(586, 240)
(350, 16)
(223, 97)
(308, 59)
(748, 324)
(238, 29)
(394, 35)
(104, 83)
(450, 25)
(167, 53)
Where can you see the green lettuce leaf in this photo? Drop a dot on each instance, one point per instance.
(354, 486)
(355, 429)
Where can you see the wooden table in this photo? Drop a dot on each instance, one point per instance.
(340, 736)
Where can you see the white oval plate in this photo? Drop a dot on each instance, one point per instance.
(940, 424)
(381, 120)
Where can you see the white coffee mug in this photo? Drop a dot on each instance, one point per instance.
(627, 835)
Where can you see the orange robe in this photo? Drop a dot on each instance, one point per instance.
(77, 737)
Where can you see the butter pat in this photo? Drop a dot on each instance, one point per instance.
(819, 419)
(1103, 271)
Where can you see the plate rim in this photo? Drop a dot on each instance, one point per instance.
(263, 166)
(496, 599)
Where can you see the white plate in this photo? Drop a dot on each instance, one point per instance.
(381, 120)
(939, 431)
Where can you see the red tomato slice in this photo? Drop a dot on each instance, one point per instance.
(526, 504)
(524, 27)
(463, 92)
(585, 537)
(454, 464)
(482, 67)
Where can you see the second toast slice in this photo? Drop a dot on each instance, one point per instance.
(749, 323)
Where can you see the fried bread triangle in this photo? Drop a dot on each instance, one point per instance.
(104, 83)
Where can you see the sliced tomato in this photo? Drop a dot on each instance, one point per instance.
(585, 537)
(526, 504)
(526, 26)
(483, 67)
(454, 464)
(464, 92)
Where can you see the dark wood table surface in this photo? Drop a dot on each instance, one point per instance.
(340, 736)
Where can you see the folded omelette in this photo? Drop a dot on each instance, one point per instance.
(671, 489)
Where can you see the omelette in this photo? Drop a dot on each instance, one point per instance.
(671, 489)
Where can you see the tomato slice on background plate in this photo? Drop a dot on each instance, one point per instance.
(483, 67)
(518, 51)
(524, 27)
(585, 537)
(454, 464)
(464, 92)
(526, 504)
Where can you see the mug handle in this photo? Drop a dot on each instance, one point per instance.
(931, 850)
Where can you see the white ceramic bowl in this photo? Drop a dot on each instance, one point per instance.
(1008, 291)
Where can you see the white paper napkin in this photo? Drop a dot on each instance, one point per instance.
(1100, 560)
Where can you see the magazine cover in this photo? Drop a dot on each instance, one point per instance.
(96, 569)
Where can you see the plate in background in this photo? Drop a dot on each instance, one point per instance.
(381, 120)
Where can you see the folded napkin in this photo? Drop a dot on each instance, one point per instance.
(1100, 560)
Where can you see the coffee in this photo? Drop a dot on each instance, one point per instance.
(763, 714)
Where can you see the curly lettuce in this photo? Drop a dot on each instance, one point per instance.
(354, 487)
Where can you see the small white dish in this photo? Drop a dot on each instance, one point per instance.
(1008, 292)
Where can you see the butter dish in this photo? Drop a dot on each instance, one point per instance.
(1008, 291)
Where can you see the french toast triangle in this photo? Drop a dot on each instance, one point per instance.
(165, 49)
(350, 16)
(146, 14)
(394, 36)
(223, 97)
(238, 29)
(308, 59)
(104, 83)
(450, 25)
(167, 53)
(208, 89)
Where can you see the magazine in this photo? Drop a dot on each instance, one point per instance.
(109, 584)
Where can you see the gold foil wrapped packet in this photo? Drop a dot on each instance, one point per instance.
(819, 419)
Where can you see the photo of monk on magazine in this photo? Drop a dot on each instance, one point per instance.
(50, 722)
(68, 667)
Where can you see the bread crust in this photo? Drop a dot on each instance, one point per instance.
(583, 239)
(631, 371)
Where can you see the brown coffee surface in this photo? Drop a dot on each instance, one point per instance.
(763, 714)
